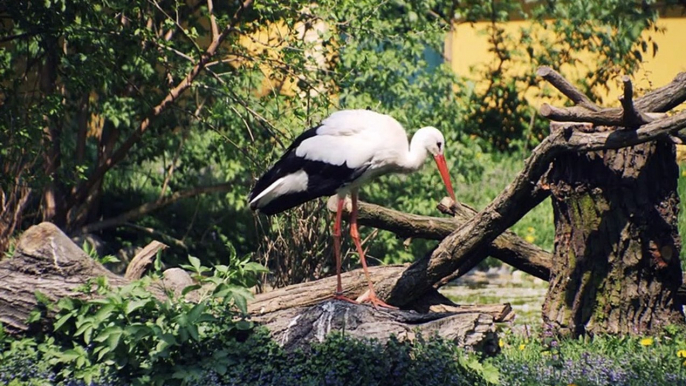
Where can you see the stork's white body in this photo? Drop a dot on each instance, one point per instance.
(347, 149)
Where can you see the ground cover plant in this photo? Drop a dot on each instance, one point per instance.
(255, 359)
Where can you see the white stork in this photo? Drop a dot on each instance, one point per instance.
(347, 149)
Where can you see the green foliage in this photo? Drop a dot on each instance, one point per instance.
(92, 252)
(256, 359)
(143, 336)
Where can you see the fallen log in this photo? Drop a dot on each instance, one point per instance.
(298, 326)
(46, 260)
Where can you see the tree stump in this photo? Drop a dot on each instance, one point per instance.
(616, 262)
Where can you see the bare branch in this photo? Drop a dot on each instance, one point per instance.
(664, 98)
(630, 116)
(634, 113)
(81, 191)
(155, 233)
(474, 236)
(553, 77)
(605, 117)
(623, 138)
(213, 20)
(508, 247)
(143, 259)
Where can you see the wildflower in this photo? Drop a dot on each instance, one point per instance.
(530, 238)
(501, 344)
(646, 341)
(530, 230)
(522, 347)
(681, 353)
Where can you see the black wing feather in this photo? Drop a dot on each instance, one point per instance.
(323, 179)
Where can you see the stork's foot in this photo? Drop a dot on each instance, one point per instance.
(340, 296)
(370, 297)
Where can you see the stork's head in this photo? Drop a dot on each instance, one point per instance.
(434, 142)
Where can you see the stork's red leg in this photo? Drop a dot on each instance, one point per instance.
(337, 250)
(371, 295)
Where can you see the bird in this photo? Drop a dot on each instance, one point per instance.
(346, 150)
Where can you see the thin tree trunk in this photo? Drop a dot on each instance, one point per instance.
(52, 206)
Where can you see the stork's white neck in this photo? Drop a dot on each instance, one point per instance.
(417, 155)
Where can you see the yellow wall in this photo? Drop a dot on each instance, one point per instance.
(468, 47)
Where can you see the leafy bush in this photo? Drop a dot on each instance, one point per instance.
(143, 335)
(260, 361)
(341, 360)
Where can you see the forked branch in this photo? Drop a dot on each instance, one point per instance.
(632, 114)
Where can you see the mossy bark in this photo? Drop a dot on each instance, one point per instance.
(616, 262)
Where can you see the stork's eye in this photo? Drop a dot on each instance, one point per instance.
(439, 145)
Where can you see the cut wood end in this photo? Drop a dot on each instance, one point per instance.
(142, 260)
(545, 110)
(446, 206)
(544, 71)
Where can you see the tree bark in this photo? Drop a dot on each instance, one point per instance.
(616, 265)
(299, 326)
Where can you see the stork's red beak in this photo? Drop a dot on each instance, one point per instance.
(443, 169)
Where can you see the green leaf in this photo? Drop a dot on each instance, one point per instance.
(105, 334)
(103, 313)
(113, 339)
(42, 298)
(134, 305)
(190, 288)
(34, 316)
(244, 325)
(65, 304)
(195, 262)
(61, 321)
(195, 312)
(193, 331)
(69, 355)
(255, 267)
(87, 324)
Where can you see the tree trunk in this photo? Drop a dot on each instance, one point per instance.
(616, 262)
